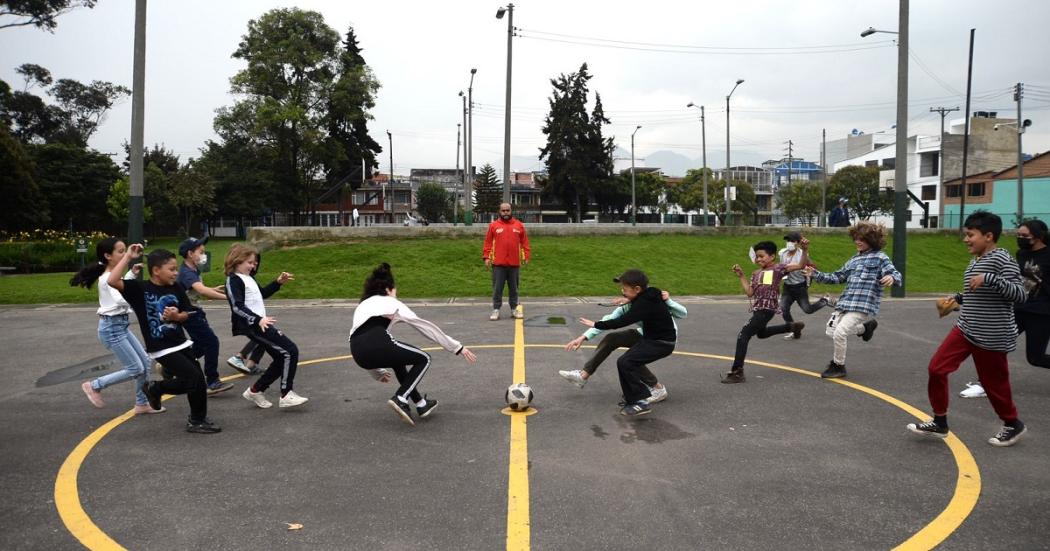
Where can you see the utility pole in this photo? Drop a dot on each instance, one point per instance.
(391, 138)
(791, 153)
(509, 10)
(136, 197)
(1018, 94)
(703, 146)
(455, 198)
(822, 220)
(966, 133)
(940, 156)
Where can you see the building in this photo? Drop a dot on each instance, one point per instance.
(997, 192)
(761, 180)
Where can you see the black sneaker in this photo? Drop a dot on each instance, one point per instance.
(202, 427)
(153, 395)
(424, 411)
(796, 329)
(929, 428)
(869, 329)
(834, 371)
(1008, 436)
(402, 410)
(734, 376)
(634, 409)
(215, 387)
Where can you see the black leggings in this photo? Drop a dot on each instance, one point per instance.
(252, 351)
(757, 326)
(183, 375)
(798, 293)
(1038, 328)
(285, 356)
(624, 338)
(374, 348)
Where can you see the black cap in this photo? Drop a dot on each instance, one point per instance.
(793, 236)
(190, 244)
(633, 276)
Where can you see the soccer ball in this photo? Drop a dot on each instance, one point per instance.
(518, 396)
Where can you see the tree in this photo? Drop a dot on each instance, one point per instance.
(860, 185)
(118, 200)
(488, 191)
(690, 195)
(578, 156)
(243, 175)
(38, 13)
(347, 118)
(192, 192)
(75, 183)
(433, 201)
(800, 199)
(78, 111)
(24, 204)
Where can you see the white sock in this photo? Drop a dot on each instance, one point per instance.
(421, 403)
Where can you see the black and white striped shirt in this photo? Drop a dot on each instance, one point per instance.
(987, 316)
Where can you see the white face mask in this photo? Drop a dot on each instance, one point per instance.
(790, 247)
(203, 258)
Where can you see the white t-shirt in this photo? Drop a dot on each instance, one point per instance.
(253, 298)
(110, 303)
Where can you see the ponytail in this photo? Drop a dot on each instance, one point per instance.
(378, 283)
(86, 277)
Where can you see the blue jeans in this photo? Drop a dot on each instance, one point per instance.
(205, 344)
(114, 335)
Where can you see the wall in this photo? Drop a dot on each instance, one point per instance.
(1004, 202)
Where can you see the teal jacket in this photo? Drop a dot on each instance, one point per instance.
(677, 311)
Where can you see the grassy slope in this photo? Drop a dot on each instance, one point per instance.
(562, 266)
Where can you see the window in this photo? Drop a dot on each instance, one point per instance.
(975, 190)
(889, 164)
(871, 163)
(929, 193)
(933, 222)
(952, 191)
(928, 164)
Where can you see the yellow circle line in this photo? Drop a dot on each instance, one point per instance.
(967, 485)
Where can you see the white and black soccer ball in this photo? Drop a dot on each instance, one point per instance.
(518, 396)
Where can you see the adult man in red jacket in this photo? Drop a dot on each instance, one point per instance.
(506, 248)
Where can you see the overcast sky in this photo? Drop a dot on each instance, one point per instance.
(422, 52)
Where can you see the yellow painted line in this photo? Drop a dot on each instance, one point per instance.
(967, 482)
(962, 503)
(518, 523)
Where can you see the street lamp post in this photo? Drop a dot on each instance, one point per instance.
(900, 176)
(390, 137)
(467, 210)
(634, 206)
(455, 196)
(469, 215)
(728, 198)
(136, 195)
(703, 148)
(509, 10)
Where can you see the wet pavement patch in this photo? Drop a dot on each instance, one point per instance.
(87, 369)
(545, 321)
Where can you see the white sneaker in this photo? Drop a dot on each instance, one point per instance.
(518, 313)
(292, 399)
(494, 316)
(973, 390)
(257, 397)
(789, 337)
(657, 395)
(574, 376)
(237, 363)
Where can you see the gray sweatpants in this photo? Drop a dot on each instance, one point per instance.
(504, 275)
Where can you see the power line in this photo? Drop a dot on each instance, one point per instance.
(763, 49)
(695, 52)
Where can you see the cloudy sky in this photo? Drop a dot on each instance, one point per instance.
(804, 63)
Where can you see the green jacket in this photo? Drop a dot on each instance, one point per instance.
(677, 311)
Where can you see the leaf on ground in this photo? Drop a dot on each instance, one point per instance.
(294, 526)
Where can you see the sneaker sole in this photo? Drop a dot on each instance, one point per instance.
(833, 376)
(981, 395)
(243, 370)
(1008, 443)
(652, 400)
(151, 411)
(203, 431)
(405, 418)
(264, 405)
(220, 390)
(643, 412)
(286, 406)
(428, 412)
(927, 434)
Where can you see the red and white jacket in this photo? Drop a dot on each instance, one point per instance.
(506, 243)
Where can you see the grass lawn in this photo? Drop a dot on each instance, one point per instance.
(562, 266)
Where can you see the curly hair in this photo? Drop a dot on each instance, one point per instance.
(378, 282)
(872, 234)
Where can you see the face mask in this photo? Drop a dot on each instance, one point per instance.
(790, 247)
(203, 259)
(1024, 242)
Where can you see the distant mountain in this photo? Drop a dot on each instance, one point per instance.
(671, 163)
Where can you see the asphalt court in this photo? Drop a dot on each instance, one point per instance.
(784, 461)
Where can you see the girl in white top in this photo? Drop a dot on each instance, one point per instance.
(374, 348)
(113, 330)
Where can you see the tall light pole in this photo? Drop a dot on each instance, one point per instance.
(729, 199)
(136, 203)
(634, 206)
(467, 203)
(703, 148)
(469, 214)
(900, 176)
(455, 196)
(391, 138)
(509, 10)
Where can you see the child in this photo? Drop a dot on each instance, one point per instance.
(247, 360)
(658, 341)
(796, 284)
(113, 329)
(161, 307)
(865, 274)
(374, 348)
(205, 343)
(248, 315)
(985, 330)
(621, 339)
(764, 291)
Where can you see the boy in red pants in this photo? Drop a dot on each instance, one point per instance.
(985, 330)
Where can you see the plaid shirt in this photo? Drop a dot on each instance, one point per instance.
(861, 273)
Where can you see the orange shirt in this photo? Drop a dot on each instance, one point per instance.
(506, 243)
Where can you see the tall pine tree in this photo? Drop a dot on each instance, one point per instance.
(348, 116)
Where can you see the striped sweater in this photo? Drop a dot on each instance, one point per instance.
(987, 316)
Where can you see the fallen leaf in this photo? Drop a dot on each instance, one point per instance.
(294, 526)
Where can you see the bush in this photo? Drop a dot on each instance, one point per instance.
(42, 251)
